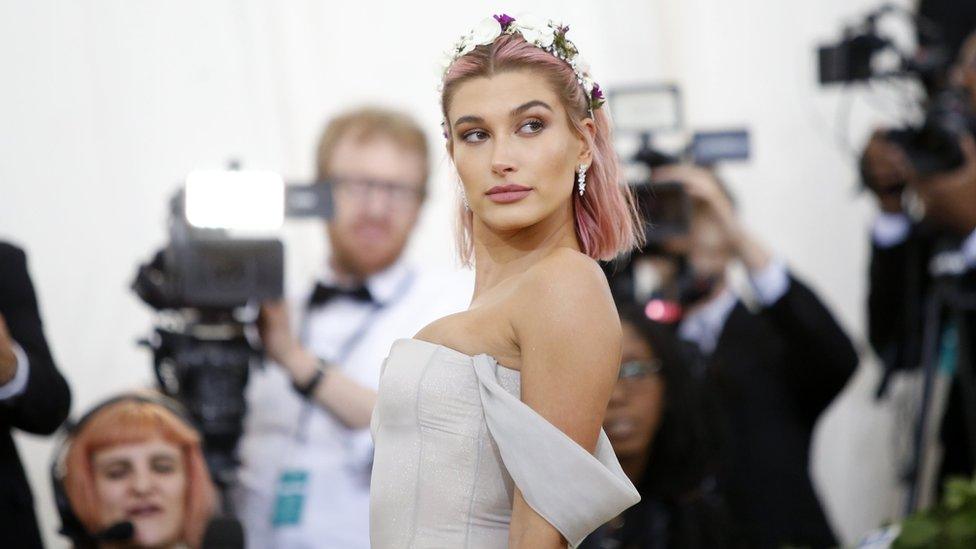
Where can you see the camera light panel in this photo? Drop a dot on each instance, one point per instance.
(244, 200)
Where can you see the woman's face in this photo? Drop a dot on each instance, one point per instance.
(636, 404)
(143, 483)
(514, 149)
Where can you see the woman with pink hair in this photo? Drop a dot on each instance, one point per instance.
(134, 460)
(488, 422)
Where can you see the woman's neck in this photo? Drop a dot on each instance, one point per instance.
(634, 466)
(500, 255)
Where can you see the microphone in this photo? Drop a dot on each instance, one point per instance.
(223, 533)
(120, 531)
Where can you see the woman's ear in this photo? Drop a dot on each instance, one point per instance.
(586, 141)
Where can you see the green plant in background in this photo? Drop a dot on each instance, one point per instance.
(949, 525)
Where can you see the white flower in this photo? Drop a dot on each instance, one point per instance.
(588, 84)
(468, 47)
(534, 30)
(447, 59)
(581, 65)
(486, 32)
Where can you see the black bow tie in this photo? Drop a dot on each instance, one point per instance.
(323, 294)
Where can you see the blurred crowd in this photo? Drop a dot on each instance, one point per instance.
(712, 418)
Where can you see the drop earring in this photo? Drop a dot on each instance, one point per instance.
(581, 178)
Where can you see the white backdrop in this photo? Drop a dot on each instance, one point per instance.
(106, 105)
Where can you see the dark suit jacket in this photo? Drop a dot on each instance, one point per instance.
(773, 373)
(40, 409)
(900, 284)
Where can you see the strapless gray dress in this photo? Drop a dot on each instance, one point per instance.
(453, 440)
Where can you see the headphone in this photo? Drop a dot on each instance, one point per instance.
(70, 524)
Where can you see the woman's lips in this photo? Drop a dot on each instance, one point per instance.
(144, 510)
(504, 194)
(620, 428)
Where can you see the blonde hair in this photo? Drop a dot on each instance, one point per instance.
(368, 123)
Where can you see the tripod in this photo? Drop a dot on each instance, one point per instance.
(948, 303)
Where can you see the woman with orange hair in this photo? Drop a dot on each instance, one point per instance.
(135, 460)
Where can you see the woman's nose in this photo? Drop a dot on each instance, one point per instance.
(142, 481)
(618, 397)
(502, 162)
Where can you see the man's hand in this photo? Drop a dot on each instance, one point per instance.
(703, 188)
(8, 360)
(950, 197)
(886, 170)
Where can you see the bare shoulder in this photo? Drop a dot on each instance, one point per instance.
(566, 277)
(566, 296)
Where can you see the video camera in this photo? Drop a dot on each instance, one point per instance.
(653, 115)
(206, 284)
(932, 146)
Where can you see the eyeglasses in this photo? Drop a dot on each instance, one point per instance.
(632, 370)
(360, 189)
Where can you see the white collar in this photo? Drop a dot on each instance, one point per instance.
(383, 286)
(704, 325)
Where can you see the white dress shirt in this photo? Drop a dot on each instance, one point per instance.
(285, 432)
(891, 229)
(18, 383)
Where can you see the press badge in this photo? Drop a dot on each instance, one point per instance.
(290, 497)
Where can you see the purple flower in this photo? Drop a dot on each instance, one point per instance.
(504, 20)
(597, 93)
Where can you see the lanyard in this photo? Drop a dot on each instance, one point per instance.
(350, 343)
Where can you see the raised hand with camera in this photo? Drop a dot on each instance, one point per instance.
(949, 197)
(705, 190)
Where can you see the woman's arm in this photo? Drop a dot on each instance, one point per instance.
(569, 334)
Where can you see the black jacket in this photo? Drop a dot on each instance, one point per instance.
(900, 287)
(772, 374)
(40, 409)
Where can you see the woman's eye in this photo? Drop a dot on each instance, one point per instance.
(164, 466)
(532, 126)
(116, 473)
(475, 136)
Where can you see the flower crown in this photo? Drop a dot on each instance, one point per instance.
(546, 35)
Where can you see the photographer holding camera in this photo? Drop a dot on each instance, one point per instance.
(307, 453)
(923, 277)
(770, 368)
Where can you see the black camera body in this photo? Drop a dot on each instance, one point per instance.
(206, 284)
(932, 146)
(651, 112)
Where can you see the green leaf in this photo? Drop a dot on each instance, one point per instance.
(917, 531)
(957, 492)
(961, 528)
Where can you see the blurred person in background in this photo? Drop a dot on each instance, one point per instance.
(306, 453)
(660, 426)
(34, 397)
(134, 476)
(928, 222)
(771, 365)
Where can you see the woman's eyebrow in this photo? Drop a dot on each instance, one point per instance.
(526, 106)
(515, 112)
(468, 118)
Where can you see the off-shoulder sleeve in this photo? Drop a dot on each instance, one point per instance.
(573, 490)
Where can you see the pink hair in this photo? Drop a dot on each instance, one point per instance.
(127, 422)
(607, 222)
